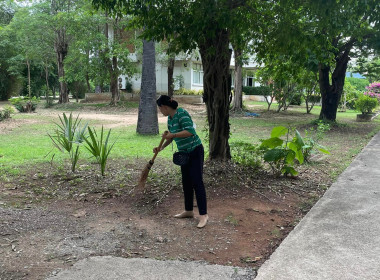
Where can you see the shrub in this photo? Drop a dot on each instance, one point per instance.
(184, 91)
(78, 89)
(296, 99)
(68, 133)
(128, 87)
(314, 98)
(366, 104)
(24, 104)
(373, 90)
(312, 137)
(262, 90)
(281, 155)
(246, 154)
(99, 147)
(6, 113)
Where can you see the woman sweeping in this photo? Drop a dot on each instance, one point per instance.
(181, 129)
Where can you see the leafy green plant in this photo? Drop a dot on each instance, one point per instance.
(99, 148)
(68, 133)
(281, 155)
(366, 104)
(311, 139)
(246, 154)
(261, 90)
(24, 104)
(184, 91)
(6, 113)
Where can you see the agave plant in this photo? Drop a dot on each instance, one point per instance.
(99, 148)
(68, 134)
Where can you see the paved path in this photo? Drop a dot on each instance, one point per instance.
(112, 268)
(339, 239)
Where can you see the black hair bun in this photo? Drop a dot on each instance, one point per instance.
(167, 101)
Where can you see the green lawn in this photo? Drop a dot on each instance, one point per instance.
(28, 143)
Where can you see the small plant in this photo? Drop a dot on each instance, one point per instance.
(311, 139)
(280, 154)
(366, 104)
(6, 113)
(246, 154)
(25, 104)
(68, 133)
(99, 148)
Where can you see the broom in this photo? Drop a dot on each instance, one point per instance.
(145, 172)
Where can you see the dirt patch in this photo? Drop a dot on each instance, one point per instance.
(50, 219)
(8, 125)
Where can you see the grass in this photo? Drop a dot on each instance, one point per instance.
(29, 144)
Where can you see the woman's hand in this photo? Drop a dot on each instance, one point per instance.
(155, 150)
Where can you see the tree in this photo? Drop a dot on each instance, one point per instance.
(147, 122)
(205, 24)
(330, 30)
(369, 68)
(23, 26)
(8, 79)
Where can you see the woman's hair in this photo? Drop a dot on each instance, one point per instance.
(167, 101)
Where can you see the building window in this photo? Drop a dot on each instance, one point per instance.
(198, 74)
(250, 82)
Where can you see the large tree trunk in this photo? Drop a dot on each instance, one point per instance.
(331, 94)
(217, 90)
(170, 74)
(112, 67)
(29, 84)
(113, 82)
(61, 48)
(238, 86)
(147, 122)
(87, 74)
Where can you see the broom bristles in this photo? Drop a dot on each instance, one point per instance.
(144, 174)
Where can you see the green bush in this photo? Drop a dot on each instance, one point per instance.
(67, 133)
(262, 90)
(184, 91)
(246, 154)
(24, 104)
(281, 155)
(366, 104)
(6, 113)
(296, 99)
(78, 89)
(128, 87)
(314, 98)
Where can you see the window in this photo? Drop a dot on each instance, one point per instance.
(250, 82)
(198, 74)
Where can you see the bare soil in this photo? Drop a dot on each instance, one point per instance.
(50, 218)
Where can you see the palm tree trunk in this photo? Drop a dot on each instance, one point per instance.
(147, 122)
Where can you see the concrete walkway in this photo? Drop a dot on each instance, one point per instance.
(339, 239)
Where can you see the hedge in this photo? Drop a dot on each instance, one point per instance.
(262, 90)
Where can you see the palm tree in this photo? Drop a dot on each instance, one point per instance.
(147, 122)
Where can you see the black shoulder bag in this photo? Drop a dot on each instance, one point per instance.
(182, 158)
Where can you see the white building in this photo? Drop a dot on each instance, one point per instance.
(188, 73)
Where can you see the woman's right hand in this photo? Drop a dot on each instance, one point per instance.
(155, 150)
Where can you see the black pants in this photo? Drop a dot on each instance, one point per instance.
(192, 180)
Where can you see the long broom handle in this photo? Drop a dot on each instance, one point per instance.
(159, 146)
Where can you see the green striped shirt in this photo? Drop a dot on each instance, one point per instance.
(182, 121)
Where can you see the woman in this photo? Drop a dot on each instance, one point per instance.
(181, 129)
